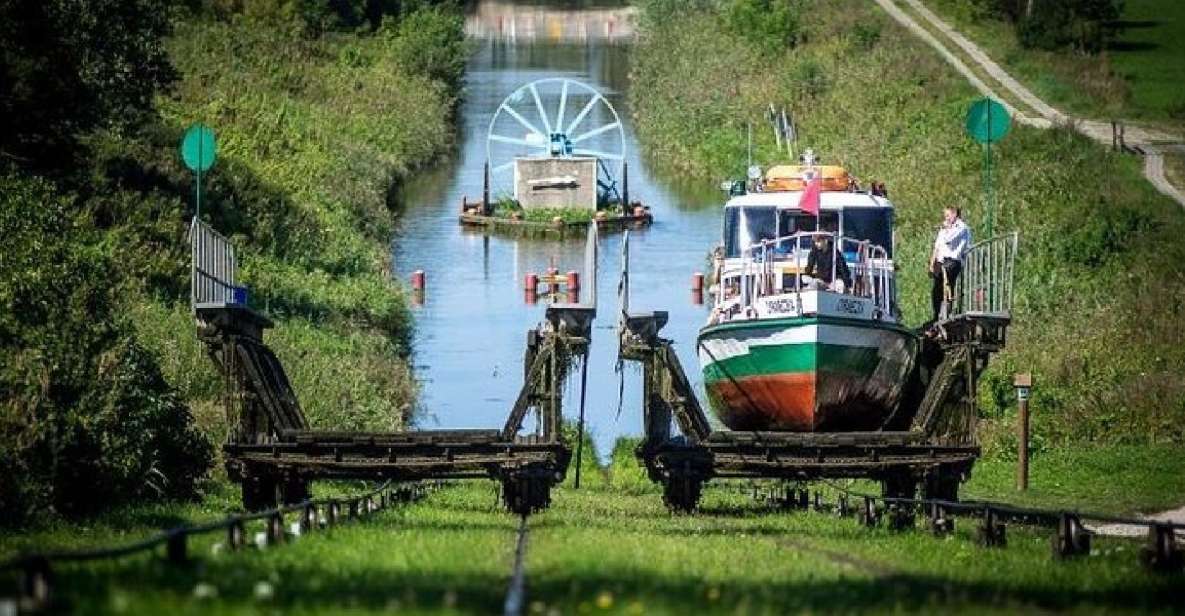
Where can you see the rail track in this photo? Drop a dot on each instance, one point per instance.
(516, 592)
(36, 570)
(1071, 537)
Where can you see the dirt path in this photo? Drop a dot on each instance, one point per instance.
(1143, 140)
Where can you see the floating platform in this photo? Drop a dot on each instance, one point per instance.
(554, 229)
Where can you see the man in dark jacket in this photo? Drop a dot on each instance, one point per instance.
(826, 264)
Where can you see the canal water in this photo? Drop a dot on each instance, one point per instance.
(471, 328)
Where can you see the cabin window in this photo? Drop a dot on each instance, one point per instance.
(791, 222)
(872, 224)
(745, 227)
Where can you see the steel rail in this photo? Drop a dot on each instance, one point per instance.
(163, 537)
(516, 593)
(1015, 511)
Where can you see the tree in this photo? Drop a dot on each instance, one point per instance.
(69, 66)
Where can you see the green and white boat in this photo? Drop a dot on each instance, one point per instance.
(785, 350)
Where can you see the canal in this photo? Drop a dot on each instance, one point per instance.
(471, 326)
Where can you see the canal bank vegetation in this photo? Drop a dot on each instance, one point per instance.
(1128, 67)
(1100, 289)
(105, 393)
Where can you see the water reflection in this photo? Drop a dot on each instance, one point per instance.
(471, 328)
(550, 22)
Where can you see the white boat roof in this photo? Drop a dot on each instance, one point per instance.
(828, 200)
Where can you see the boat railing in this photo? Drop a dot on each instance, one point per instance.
(985, 286)
(870, 274)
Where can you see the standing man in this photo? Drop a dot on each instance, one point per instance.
(946, 260)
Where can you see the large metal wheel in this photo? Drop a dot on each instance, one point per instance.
(537, 120)
(681, 492)
(526, 494)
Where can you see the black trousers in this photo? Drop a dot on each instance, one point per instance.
(953, 268)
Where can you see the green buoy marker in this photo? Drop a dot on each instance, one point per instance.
(198, 151)
(987, 123)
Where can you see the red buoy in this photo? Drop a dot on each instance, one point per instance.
(573, 281)
(697, 281)
(530, 296)
(531, 282)
(417, 280)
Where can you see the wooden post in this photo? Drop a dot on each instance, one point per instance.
(1023, 382)
(625, 187)
(485, 190)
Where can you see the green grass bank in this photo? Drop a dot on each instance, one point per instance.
(1136, 76)
(320, 114)
(1100, 290)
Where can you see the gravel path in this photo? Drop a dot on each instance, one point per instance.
(1146, 141)
(1176, 516)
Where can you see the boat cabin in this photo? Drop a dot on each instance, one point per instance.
(769, 262)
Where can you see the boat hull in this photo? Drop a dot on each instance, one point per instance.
(806, 374)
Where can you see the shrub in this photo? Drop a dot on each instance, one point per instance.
(86, 418)
(431, 42)
(772, 25)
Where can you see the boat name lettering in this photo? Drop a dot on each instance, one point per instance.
(849, 306)
(781, 305)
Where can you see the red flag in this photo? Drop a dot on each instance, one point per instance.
(809, 202)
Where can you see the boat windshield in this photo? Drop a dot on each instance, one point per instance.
(792, 221)
(745, 227)
(872, 224)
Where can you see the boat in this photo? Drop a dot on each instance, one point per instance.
(785, 350)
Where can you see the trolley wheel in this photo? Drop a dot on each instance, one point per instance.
(259, 492)
(900, 484)
(942, 484)
(681, 492)
(293, 491)
(526, 495)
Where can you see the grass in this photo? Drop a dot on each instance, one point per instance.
(1137, 78)
(1001, 92)
(1121, 479)
(1097, 294)
(611, 547)
(315, 134)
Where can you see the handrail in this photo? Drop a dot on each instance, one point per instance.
(871, 276)
(985, 286)
(213, 267)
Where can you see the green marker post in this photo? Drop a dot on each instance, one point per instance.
(987, 122)
(199, 149)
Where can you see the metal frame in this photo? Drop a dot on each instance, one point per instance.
(929, 443)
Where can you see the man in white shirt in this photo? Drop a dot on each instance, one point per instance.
(946, 260)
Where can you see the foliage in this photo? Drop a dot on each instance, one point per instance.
(1099, 285)
(1083, 24)
(316, 131)
(69, 66)
(772, 25)
(86, 418)
(431, 42)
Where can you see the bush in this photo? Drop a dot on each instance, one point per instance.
(431, 42)
(86, 418)
(772, 25)
(1083, 24)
